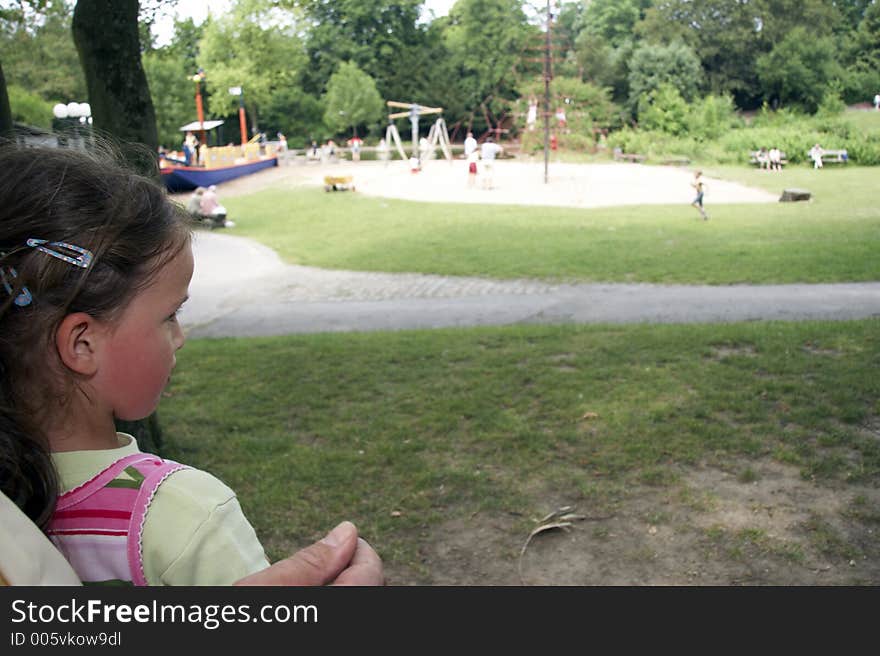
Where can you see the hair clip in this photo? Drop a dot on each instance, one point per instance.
(24, 297)
(83, 259)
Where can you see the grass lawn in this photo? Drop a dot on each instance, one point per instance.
(834, 238)
(417, 435)
(403, 432)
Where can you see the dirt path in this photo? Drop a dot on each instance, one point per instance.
(518, 183)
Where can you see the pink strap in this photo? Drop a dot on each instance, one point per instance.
(98, 481)
(139, 513)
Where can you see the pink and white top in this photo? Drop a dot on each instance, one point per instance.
(98, 526)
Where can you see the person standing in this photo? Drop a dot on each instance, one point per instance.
(700, 187)
(877, 102)
(384, 151)
(472, 160)
(488, 153)
(355, 144)
(470, 144)
(190, 144)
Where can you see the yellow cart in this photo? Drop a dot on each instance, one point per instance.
(338, 183)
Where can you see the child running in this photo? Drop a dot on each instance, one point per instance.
(700, 188)
(95, 264)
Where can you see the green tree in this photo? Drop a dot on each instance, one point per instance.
(664, 110)
(351, 100)
(383, 37)
(169, 71)
(613, 20)
(853, 11)
(38, 50)
(486, 41)
(29, 108)
(799, 70)
(723, 33)
(255, 46)
(299, 115)
(172, 92)
(730, 35)
(867, 38)
(653, 66)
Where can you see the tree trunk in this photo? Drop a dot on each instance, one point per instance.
(5, 109)
(108, 42)
(106, 36)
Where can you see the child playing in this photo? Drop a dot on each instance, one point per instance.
(95, 263)
(472, 159)
(700, 187)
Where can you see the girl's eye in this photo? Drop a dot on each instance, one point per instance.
(173, 316)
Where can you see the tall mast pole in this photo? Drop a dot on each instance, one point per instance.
(547, 74)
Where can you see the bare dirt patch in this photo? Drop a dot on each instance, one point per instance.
(516, 182)
(747, 524)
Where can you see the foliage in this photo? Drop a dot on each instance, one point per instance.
(587, 105)
(29, 108)
(653, 66)
(730, 141)
(299, 115)
(485, 39)
(726, 40)
(831, 104)
(351, 100)
(613, 20)
(663, 109)
(712, 117)
(172, 92)
(799, 69)
(169, 72)
(377, 35)
(256, 47)
(38, 51)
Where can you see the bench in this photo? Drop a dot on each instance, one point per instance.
(628, 157)
(754, 154)
(834, 157)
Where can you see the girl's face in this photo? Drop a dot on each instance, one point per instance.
(138, 355)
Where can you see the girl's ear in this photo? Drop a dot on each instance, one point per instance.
(78, 339)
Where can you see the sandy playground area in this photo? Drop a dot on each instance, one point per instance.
(515, 182)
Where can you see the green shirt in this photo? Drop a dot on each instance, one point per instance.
(195, 532)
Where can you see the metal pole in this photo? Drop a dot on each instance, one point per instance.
(200, 114)
(242, 125)
(414, 117)
(547, 99)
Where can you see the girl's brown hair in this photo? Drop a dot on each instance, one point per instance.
(91, 200)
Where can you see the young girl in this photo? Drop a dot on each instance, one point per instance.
(700, 187)
(95, 263)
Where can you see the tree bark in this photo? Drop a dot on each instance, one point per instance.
(106, 36)
(108, 42)
(5, 109)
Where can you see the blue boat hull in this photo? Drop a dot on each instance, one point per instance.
(186, 178)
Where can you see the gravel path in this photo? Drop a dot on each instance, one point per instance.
(260, 295)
